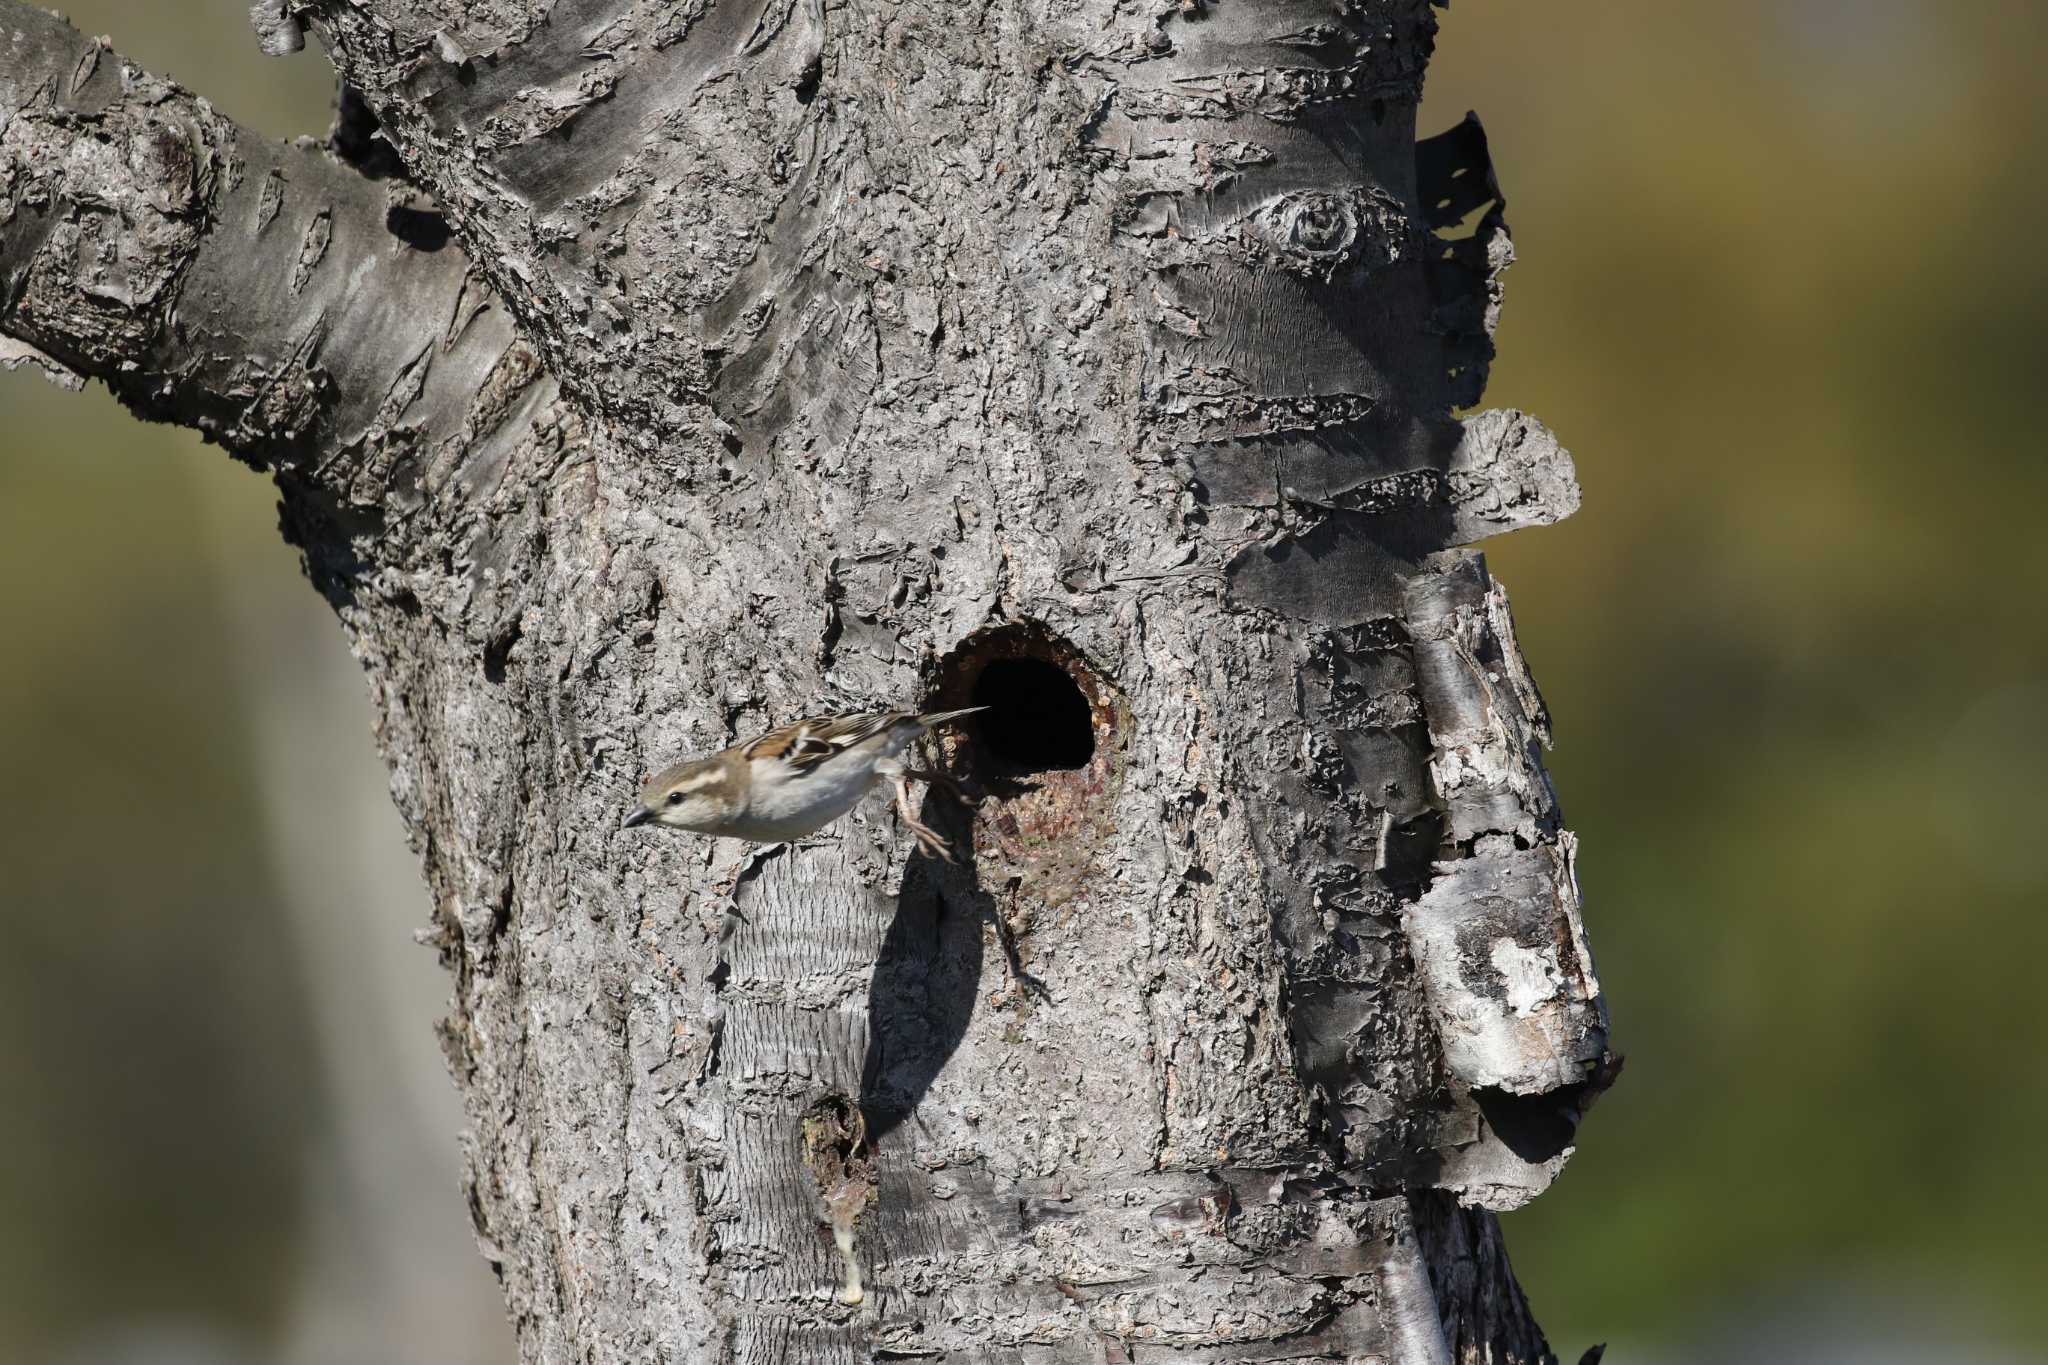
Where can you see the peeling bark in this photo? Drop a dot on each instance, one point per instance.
(638, 374)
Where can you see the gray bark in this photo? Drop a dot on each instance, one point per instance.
(638, 374)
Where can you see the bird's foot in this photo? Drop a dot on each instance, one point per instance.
(928, 838)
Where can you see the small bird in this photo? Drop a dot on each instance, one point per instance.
(795, 780)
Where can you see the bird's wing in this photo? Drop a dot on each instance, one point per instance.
(809, 742)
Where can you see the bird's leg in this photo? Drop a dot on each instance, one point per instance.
(946, 781)
(927, 838)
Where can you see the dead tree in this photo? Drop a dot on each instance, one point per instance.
(638, 373)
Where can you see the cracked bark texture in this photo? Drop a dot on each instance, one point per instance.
(640, 373)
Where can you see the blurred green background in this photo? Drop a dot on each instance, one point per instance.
(1777, 294)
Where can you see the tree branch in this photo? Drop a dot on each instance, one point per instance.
(263, 293)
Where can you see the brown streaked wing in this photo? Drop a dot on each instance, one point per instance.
(808, 742)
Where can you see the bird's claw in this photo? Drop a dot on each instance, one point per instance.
(929, 840)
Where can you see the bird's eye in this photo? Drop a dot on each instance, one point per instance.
(675, 798)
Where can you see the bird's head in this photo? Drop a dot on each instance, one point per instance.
(694, 796)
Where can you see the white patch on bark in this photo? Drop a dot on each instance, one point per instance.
(1491, 939)
(850, 1290)
(1530, 974)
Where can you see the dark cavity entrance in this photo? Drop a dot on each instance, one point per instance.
(1038, 717)
(1039, 767)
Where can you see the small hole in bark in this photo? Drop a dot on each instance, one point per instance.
(841, 1163)
(1037, 719)
(422, 229)
(499, 652)
(356, 141)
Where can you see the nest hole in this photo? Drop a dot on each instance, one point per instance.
(1038, 719)
(1038, 767)
(1050, 717)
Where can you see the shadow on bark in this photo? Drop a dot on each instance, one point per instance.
(922, 993)
(1534, 1127)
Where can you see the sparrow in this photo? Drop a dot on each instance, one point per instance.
(797, 779)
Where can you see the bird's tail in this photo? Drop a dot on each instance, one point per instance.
(932, 718)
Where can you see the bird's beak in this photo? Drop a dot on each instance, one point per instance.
(640, 816)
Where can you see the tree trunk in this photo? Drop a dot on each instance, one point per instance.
(639, 374)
